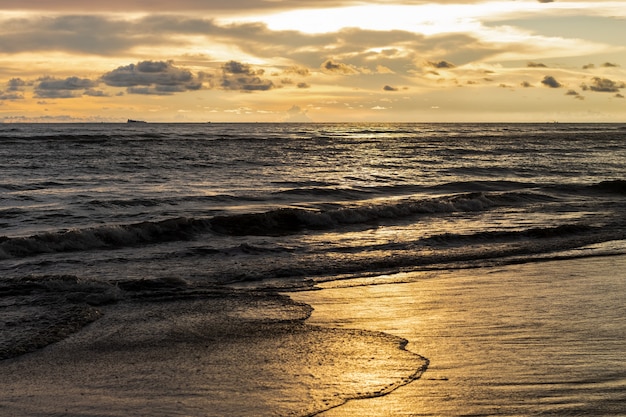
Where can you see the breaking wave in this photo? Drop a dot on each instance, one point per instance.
(271, 223)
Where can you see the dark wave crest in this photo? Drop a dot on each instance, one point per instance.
(101, 237)
(615, 187)
(291, 220)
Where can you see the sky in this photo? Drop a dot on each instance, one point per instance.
(319, 61)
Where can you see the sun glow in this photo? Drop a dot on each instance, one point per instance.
(427, 19)
(430, 19)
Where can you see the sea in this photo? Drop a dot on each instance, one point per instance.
(94, 215)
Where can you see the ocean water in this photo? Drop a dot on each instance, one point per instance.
(93, 215)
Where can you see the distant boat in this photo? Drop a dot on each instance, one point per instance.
(135, 121)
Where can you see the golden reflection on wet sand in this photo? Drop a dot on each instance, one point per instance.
(541, 338)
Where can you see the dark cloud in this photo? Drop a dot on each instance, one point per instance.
(545, 1)
(339, 68)
(16, 84)
(550, 81)
(441, 64)
(526, 84)
(536, 65)
(153, 77)
(234, 67)
(97, 35)
(14, 89)
(95, 93)
(10, 96)
(69, 83)
(289, 81)
(51, 87)
(604, 65)
(574, 94)
(618, 95)
(242, 77)
(389, 88)
(603, 85)
(302, 71)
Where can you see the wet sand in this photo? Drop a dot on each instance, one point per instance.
(239, 355)
(543, 338)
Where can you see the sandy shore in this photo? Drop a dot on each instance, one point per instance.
(243, 355)
(536, 339)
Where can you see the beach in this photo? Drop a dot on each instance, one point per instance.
(544, 338)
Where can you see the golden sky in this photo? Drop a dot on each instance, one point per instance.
(304, 60)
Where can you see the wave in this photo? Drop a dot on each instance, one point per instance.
(277, 222)
(603, 187)
(290, 220)
(565, 230)
(116, 236)
(614, 187)
(93, 138)
(155, 202)
(326, 190)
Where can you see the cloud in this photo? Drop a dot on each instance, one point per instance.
(97, 35)
(16, 84)
(441, 64)
(604, 65)
(545, 1)
(575, 94)
(550, 81)
(302, 71)
(153, 77)
(604, 85)
(536, 65)
(242, 77)
(95, 93)
(338, 68)
(69, 83)
(10, 96)
(389, 88)
(618, 95)
(296, 115)
(14, 89)
(51, 87)
(234, 67)
(167, 5)
(526, 84)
